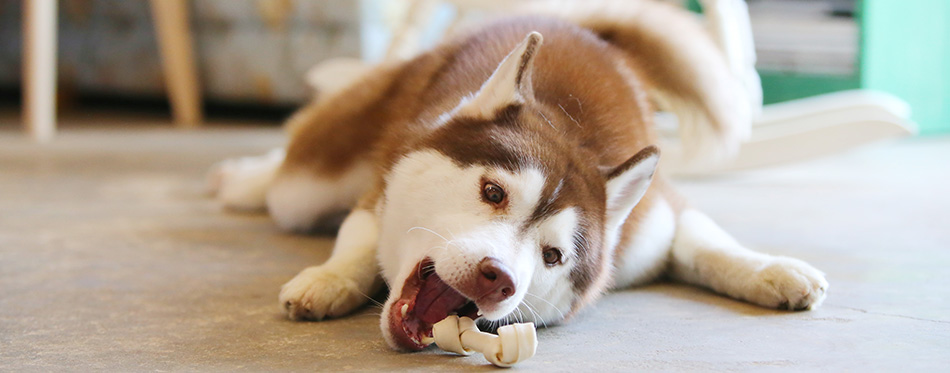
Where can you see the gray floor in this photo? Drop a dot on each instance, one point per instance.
(112, 259)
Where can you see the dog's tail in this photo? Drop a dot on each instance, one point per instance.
(685, 71)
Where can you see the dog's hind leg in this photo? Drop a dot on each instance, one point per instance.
(705, 255)
(241, 183)
(302, 200)
(346, 281)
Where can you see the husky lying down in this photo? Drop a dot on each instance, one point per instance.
(510, 175)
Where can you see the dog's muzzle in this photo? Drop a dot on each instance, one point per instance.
(426, 299)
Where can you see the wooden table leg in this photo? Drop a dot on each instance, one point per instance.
(39, 68)
(178, 61)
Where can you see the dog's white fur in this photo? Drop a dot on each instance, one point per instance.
(241, 183)
(706, 255)
(346, 280)
(647, 255)
(295, 198)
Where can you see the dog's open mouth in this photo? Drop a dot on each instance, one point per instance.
(425, 300)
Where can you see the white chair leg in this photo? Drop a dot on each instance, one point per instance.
(407, 33)
(178, 61)
(39, 68)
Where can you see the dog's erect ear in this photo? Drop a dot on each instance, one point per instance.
(627, 183)
(509, 84)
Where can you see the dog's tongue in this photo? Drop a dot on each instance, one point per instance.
(436, 299)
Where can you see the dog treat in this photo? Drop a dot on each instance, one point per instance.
(513, 344)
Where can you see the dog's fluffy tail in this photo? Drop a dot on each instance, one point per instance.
(686, 72)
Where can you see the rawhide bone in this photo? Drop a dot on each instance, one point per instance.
(513, 344)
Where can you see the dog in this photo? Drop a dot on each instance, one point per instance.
(510, 174)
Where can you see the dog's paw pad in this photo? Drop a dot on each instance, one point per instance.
(790, 284)
(317, 293)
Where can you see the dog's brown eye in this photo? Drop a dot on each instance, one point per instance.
(552, 256)
(493, 193)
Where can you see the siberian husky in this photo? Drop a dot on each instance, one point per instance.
(510, 175)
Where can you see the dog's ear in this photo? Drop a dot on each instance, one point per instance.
(627, 183)
(509, 84)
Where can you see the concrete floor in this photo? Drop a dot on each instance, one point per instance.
(111, 258)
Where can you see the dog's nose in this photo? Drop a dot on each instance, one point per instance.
(495, 282)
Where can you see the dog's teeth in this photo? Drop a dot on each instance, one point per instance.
(427, 340)
(479, 313)
(404, 309)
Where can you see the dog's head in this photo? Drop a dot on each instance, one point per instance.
(496, 216)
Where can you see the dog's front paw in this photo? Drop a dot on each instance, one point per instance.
(788, 283)
(318, 292)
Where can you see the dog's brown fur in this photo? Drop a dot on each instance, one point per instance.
(601, 115)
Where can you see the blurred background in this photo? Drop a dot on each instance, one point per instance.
(251, 57)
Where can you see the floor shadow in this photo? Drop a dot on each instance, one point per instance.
(708, 297)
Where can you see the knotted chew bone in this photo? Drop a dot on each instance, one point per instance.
(514, 343)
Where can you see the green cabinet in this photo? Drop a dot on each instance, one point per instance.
(904, 50)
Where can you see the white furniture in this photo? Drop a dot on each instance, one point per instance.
(799, 130)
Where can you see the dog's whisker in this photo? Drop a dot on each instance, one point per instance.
(370, 314)
(371, 299)
(520, 314)
(450, 233)
(427, 230)
(512, 317)
(540, 318)
(546, 120)
(537, 315)
(549, 303)
(569, 116)
(580, 106)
